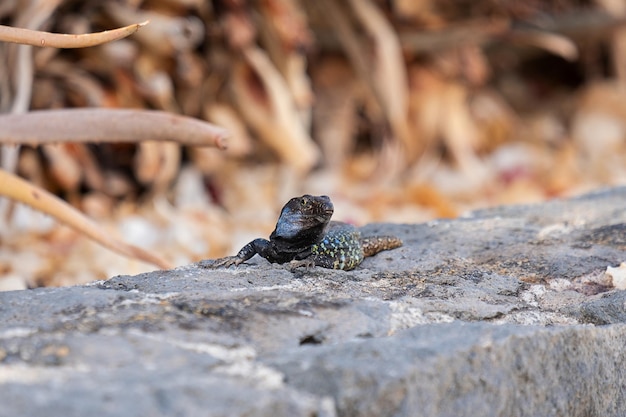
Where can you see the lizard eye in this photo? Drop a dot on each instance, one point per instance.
(303, 202)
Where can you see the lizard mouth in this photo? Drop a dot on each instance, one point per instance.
(326, 216)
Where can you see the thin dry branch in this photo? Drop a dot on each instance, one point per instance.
(269, 107)
(350, 41)
(31, 18)
(59, 40)
(577, 24)
(166, 36)
(552, 42)
(390, 79)
(385, 75)
(107, 125)
(20, 190)
(477, 32)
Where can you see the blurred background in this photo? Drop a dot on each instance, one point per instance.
(401, 111)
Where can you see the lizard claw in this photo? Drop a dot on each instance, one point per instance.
(307, 264)
(220, 262)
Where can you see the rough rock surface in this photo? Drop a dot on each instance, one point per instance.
(505, 312)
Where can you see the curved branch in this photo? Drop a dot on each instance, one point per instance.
(59, 40)
(21, 190)
(107, 125)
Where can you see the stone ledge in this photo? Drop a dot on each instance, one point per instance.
(504, 312)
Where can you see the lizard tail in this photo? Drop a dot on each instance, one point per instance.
(374, 244)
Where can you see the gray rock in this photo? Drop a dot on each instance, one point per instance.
(609, 309)
(472, 369)
(505, 312)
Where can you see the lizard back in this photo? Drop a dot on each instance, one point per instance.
(340, 248)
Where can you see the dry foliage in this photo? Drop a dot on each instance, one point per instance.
(48, 126)
(400, 111)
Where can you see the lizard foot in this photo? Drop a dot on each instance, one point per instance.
(307, 264)
(220, 262)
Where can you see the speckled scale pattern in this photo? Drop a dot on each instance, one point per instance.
(340, 248)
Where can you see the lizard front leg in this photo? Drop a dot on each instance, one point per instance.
(259, 246)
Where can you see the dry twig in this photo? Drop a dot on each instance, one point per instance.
(390, 80)
(107, 125)
(20, 190)
(32, 17)
(264, 99)
(166, 36)
(60, 40)
(385, 77)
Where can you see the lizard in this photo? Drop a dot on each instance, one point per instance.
(306, 237)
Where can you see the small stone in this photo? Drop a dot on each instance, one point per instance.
(618, 276)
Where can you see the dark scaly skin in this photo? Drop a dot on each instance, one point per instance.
(305, 236)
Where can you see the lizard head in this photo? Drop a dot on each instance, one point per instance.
(304, 218)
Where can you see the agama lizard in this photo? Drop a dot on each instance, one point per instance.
(305, 236)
